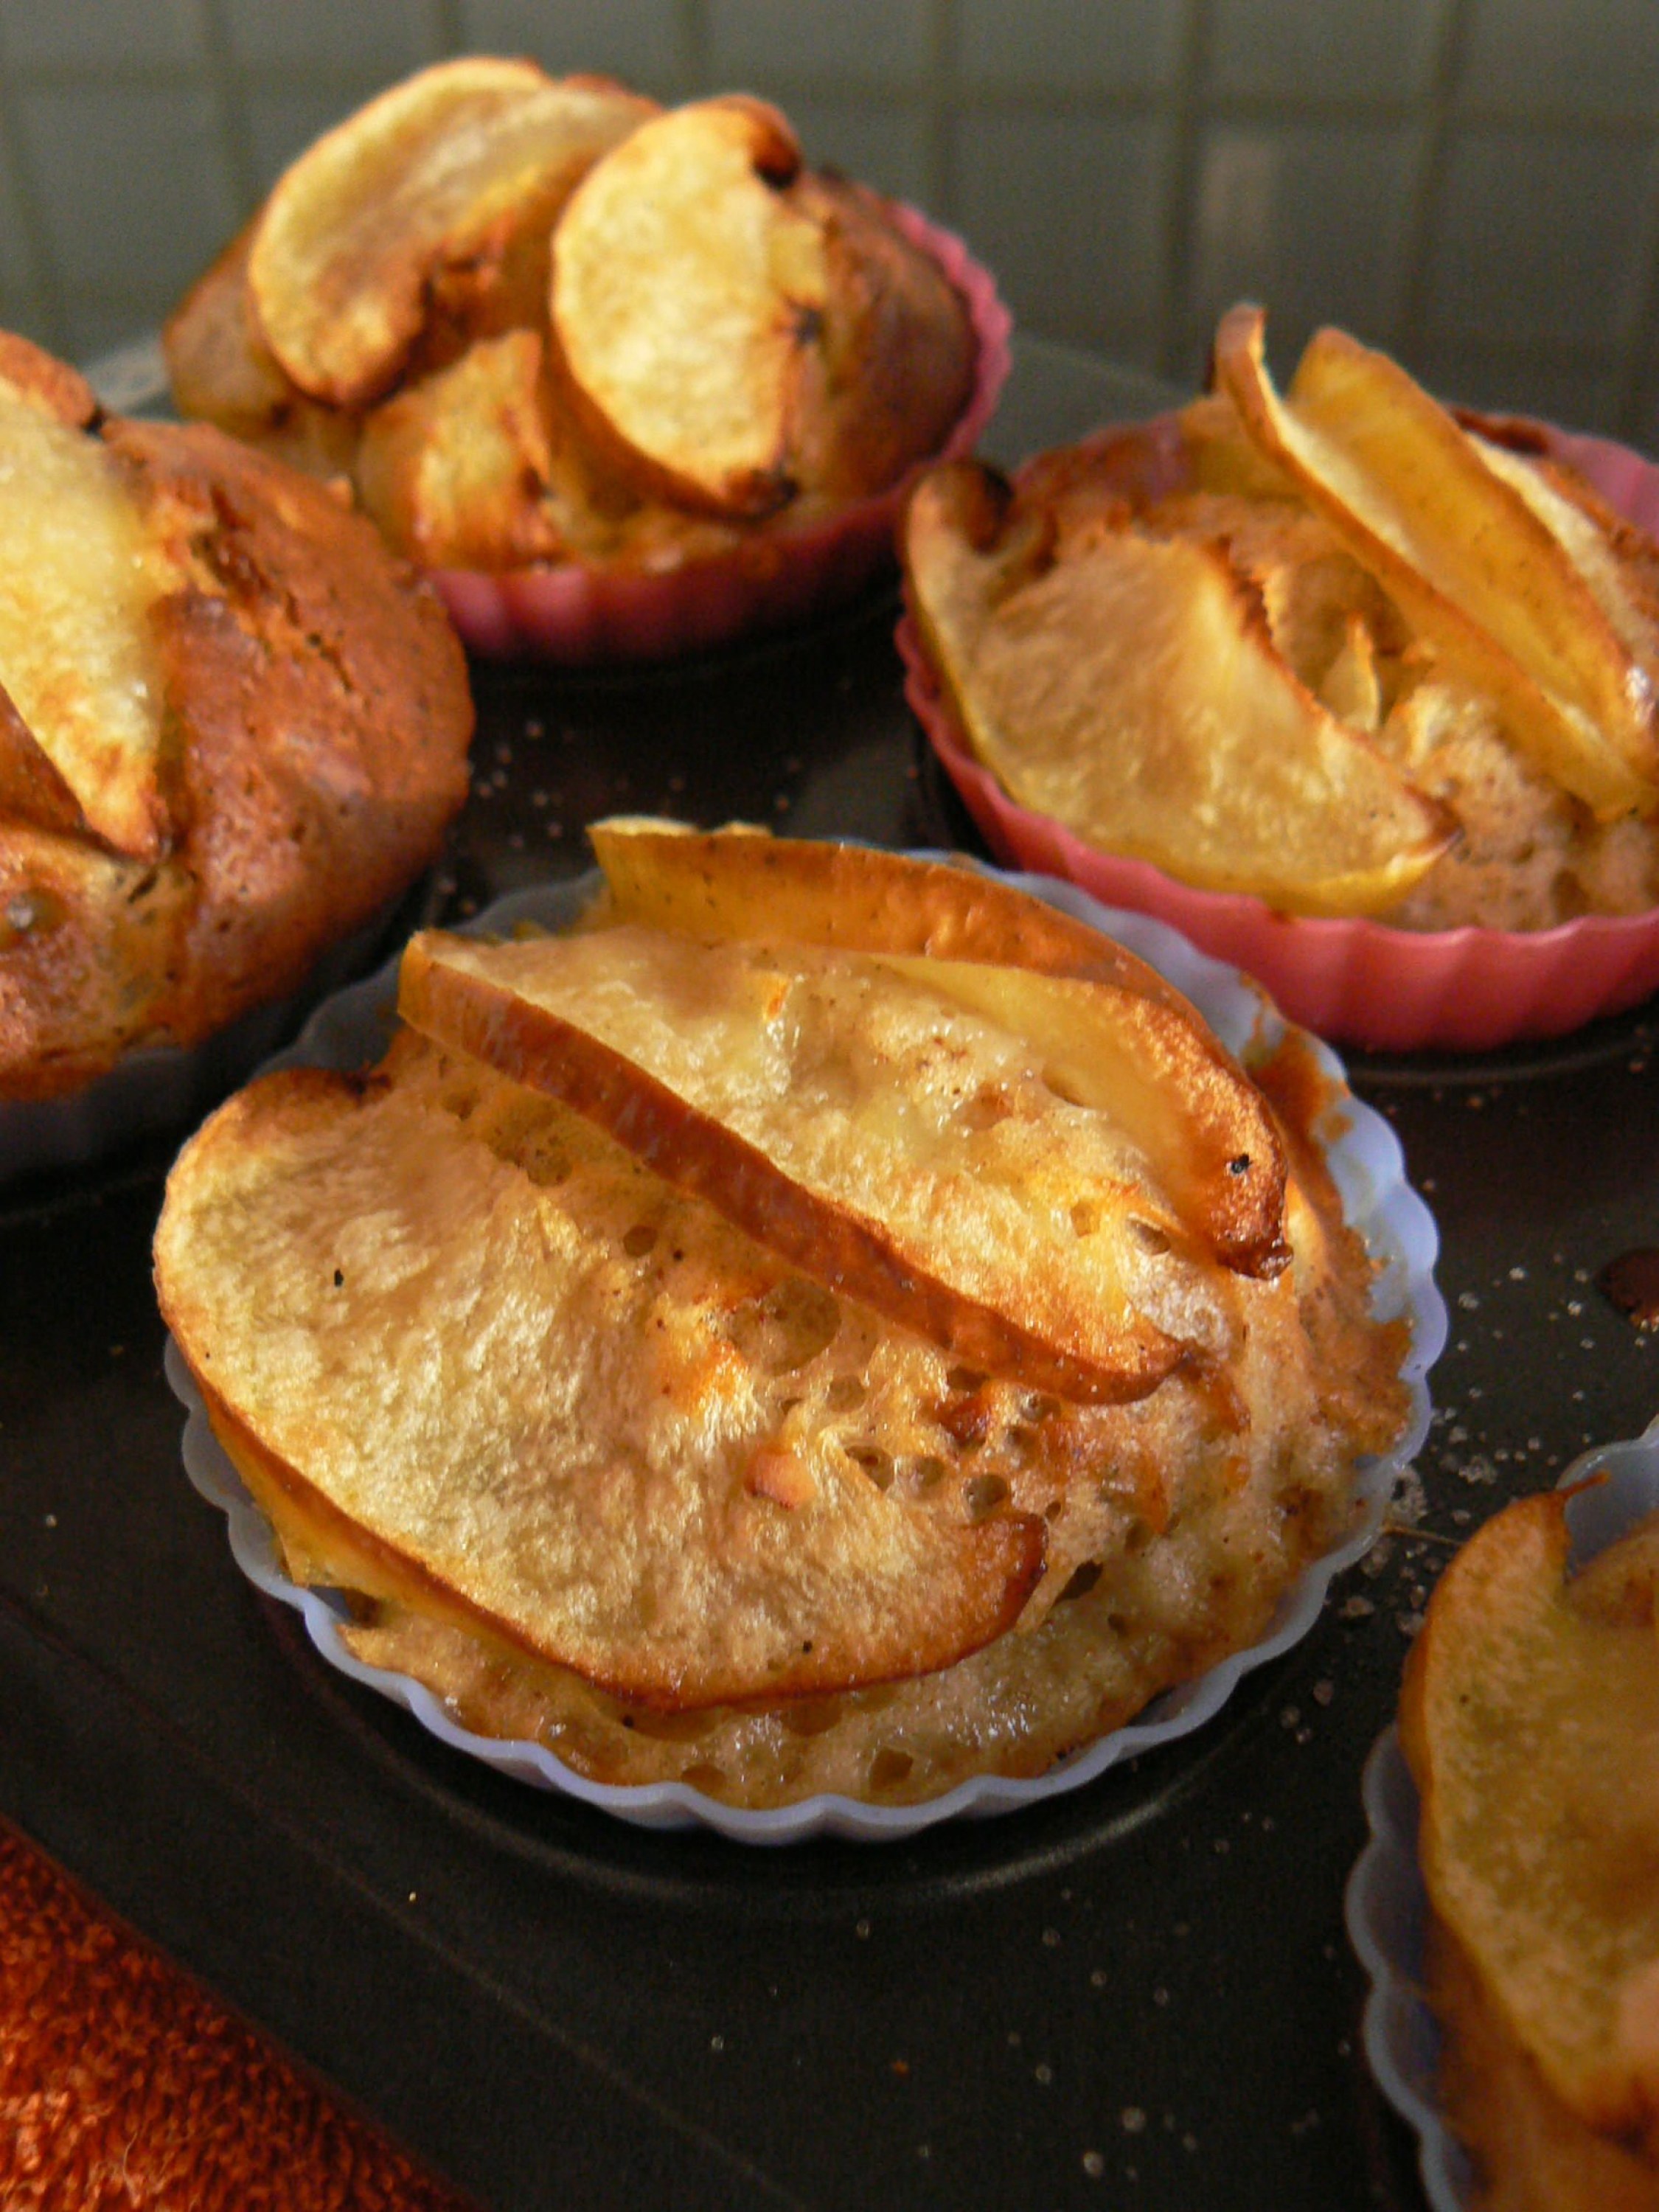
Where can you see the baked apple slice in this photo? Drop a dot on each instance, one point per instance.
(469, 1356)
(445, 185)
(742, 882)
(458, 469)
(1476, 564)
(1530, 1718)
(920, 1157)
(222, 371)
(77, 588)
(1133, 691)
(686, 291)
(1133, 1045)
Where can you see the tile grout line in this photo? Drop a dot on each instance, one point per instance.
(1180, 185)
(230, 115)
(1410, 302)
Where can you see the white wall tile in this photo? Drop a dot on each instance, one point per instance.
(801, 41)
(886, 147)
(1379, 50)
(1578, 396)
(1643, 432)
(1537, 235)
(1070, 214)
(1128, 46)
(87, 35)
(283, 120)
(1308, 219)
(130, 184)
(18, 273)
(390, 39)
(1600, 57)
(641, 42)
(1049, 137)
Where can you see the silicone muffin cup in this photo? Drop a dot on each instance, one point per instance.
(574, 613)
(1356, 980)
(1365, 1161)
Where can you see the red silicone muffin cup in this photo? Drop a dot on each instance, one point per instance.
(1354, 980)
(576, 614)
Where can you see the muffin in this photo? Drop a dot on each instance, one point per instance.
(1528, 1719)
(630, 377)
(1240, 665)
(738, 1476)
(232, 728)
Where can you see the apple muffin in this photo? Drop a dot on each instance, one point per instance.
(232, 728)
(827, 1323)
(542, 325)
(1340, 650)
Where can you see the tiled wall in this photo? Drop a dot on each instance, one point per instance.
(1474, 183)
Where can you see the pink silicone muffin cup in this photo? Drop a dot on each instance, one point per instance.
(577, 614)
(1356, 980)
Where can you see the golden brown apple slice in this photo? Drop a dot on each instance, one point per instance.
(1590, 534)
(1131, 691)
(1206, 1130)
(686, 288)
(1474, 564)
(876, 1134)
(457, 469)
(443, 171)
(470, 1356)
(221, 370)
(1530, 1717)
(742, 882)
(1125, 1040)
(77, 659)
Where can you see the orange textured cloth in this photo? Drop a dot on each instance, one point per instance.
(125, 2089)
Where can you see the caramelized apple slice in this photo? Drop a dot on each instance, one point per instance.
(221, 370)
(742, 882)
(78, 659)
(1530, 1717)
(442, 174)
(1133, 692)
(561, 1407)
(1206, 1130)
(1476, 565)
(686, 288)
(866, 1128)
(1121, 1039)
(457, 468)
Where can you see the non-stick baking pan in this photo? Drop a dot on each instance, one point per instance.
(1138, 1994)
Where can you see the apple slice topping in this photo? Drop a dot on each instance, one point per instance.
(861, 1122)
(686, 288)
(438, 183)
(1133, 689)
(76, 654)
(1481, 567)
(1128, 1042)
(1530, 1718)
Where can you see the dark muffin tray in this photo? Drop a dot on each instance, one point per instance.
(1137, 1994)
